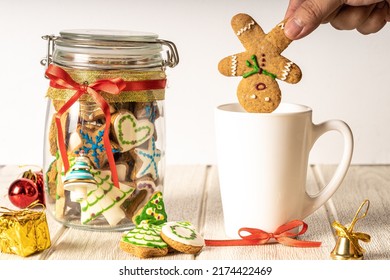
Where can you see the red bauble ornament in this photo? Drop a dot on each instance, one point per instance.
(24, 191)
(40, 185)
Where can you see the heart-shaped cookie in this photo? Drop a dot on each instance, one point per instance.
(130, 132)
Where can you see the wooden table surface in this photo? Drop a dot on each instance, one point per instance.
(192, 193)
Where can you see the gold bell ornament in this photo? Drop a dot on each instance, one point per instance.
(79, 180)
(347, 246)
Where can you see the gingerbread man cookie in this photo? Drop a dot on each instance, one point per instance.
(260, 65)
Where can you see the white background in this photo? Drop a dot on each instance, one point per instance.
(345, 74)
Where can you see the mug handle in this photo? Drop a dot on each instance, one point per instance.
(312, 203)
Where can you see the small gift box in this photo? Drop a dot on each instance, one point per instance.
(24, 232)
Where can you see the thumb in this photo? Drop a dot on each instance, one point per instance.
(308, 16)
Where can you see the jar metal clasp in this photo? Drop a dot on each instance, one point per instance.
(50, 49)
(172, 58)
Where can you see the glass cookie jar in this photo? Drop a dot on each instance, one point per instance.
(105, 129)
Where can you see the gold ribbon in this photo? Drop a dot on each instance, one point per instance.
(89, 76)
(353, 237)
(347, 232)
(22, 214)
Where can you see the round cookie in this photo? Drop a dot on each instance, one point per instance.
(183, 237)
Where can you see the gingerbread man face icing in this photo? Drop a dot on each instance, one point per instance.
(260, 65)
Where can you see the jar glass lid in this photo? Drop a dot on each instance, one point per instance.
(107, 35)
(107, 49)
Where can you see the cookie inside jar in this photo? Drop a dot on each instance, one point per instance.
(105, 129)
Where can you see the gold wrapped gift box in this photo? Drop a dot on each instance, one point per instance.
(23, 232)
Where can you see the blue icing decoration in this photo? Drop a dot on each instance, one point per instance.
(150, 159)
(151, 112)
(93, 147)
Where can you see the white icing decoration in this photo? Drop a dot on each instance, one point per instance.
(234, 65)
(267, 99)
(150, 158)
(286, 70)
(131, 132)
(245, 28)
(105, 200)
(184, 234)
(150, 238)
(253, 96)
(281, 25)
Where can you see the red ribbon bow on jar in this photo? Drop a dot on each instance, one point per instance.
(60, 79)
(256, 236)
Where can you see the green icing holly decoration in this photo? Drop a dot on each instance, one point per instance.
(190, 233)
(153, 212)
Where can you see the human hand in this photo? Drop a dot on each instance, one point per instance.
(366, 16)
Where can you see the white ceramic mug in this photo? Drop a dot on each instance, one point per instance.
(262, 164)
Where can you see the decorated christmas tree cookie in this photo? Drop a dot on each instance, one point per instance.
(144, 241)
(154, 236)
(153, 212)
(106, 200)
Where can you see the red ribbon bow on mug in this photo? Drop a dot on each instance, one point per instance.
(60, 79)
(282, 235)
